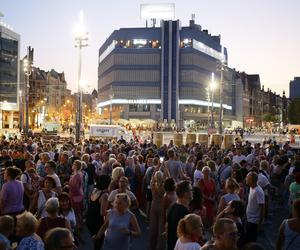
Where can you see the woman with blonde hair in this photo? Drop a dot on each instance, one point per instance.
(232, 190)
(116, 175)
(189, 231)
(26, 228)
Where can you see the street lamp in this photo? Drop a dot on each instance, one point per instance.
(80, 42)
(27, 63)
(20, 111)
(222, 67)
(111, 96)
(213, 86)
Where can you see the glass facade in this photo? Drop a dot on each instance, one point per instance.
(9, 47)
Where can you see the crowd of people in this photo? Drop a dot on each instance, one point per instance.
(192, 197)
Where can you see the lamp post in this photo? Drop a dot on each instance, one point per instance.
(80, 42)
(27, 63)
(212, 89)
(221, 94)
(111, 96)
(20, 111)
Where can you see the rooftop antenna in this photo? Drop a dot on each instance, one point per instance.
(193, 17)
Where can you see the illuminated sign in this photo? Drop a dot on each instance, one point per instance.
(164, 11)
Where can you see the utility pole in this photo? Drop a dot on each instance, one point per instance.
(27, 63)
(80, 42)
(221, 95)
(111, 96)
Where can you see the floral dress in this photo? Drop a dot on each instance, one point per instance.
(31, 243)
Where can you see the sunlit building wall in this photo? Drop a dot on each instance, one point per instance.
(163, 73)
(9, 76)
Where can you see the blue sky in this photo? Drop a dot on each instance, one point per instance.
(261, 36)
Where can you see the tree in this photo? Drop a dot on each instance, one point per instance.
(268, 117)
(294, 111)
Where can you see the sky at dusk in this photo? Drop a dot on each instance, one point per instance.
(262, 36)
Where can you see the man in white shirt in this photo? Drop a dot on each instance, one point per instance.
(198, 175)
(255, 207)
(238, 157)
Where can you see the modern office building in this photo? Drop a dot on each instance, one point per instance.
(164, 74)
(9, 76)
(295, 88)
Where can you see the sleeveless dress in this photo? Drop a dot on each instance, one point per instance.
(114, 238)
(291, 238)
(94, 220)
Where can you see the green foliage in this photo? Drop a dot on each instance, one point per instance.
(294, 111)
(268, 117)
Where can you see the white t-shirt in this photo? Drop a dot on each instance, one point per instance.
(187, 246)
(198, 175)
(238, 158)
(256, 197)
(263, 181)
(56, 179)
(26, 180)
(113, 194)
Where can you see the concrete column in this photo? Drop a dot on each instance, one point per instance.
(11, 119)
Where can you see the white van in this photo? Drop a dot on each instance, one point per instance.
(109, 131)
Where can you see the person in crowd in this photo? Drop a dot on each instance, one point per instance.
(189, 232)
(59, 238)
(255, 207)
(189, 167)
(97, 207)
(76, 191)
(178, 210)
(225, 236)
(289, 231)
(198, 175)
(123, 188)
(120, 224)
(196, 205)
(208, 188)
(26, 229)
(50, 168)
(64, 169)
(53, 219)
(7, 225)
(156, 211)
(91, 173)
(40, 198)
(294, 189)
(174, 167)
(117, 173)
(66, 209)
(169, 197)
(26, 180)
(11, 195)
(224, 172)
(40, 166)
(235, 210)
(147, 184)
(232, 190)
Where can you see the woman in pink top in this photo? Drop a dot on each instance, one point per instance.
(76, 190)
